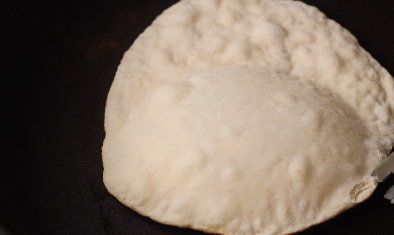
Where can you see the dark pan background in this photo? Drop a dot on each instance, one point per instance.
(58, 60)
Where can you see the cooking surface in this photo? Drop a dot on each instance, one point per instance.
(59, 59)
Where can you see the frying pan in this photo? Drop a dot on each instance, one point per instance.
(59, 60)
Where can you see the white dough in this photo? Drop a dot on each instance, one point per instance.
(246, 117)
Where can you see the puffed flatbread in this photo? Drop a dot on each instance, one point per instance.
(246, 117)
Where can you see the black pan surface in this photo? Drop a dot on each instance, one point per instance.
(58, 61)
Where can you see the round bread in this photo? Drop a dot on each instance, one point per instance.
(246, 117)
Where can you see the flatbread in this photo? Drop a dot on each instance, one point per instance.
(246, 117)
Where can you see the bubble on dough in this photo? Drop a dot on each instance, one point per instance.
(239, 144)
